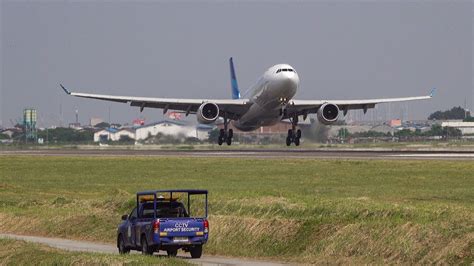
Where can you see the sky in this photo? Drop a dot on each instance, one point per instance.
(340, 49)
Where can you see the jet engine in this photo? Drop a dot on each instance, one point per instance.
(328, 113)
(207, 113)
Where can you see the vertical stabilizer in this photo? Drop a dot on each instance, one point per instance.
(233, 81)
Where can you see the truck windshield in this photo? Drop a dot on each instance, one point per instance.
(164, 209)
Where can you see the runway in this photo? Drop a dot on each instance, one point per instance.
(372, 154)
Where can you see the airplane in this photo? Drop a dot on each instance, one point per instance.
(270, 100)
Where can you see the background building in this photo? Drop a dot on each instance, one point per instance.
(176, 129)
(113, 134)
(465, 127)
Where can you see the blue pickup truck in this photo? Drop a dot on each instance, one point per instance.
(162, 220)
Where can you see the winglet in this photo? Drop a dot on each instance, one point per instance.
(233, 81)
(64, 89)
(433, 92)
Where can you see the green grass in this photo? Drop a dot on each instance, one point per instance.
(15, 252)
(302, 210)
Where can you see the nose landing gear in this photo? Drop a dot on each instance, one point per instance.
(294, 135)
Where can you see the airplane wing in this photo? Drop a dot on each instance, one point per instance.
(233, 108)
(304, 107)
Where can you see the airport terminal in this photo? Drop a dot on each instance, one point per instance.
(236, 133)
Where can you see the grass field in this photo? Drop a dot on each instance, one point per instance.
(301, 210)
(14, 252)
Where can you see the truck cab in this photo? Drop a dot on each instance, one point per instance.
(166, 220)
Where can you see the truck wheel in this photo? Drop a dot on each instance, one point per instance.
(146, 250)
(196, 252)
(172, 253)
(121, 246)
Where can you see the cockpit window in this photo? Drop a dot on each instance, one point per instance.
(284, 69)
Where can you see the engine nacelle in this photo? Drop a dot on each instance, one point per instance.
(207, 113)
(328, 113)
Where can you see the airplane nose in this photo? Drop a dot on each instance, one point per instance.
(290, 80)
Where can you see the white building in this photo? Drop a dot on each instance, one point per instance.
(173, 128)
(113, 134)
(465, 127)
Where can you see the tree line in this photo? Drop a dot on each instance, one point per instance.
(455, 113)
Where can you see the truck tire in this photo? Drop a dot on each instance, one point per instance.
(121, 245)
(172, 253)
(196, 252)
(146, 250)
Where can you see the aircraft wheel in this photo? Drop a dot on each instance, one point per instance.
(297, 141)
(231, 133)
(290, 133)
(229, 140)
(221, 138)
(288, 141)
(298, 133)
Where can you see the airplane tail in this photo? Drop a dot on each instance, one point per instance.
(233, 81)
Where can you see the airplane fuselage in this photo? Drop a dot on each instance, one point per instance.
(269, 97)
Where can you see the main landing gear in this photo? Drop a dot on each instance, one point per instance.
(294, 135)
(225, 135)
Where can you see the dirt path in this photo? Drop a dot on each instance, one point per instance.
(75, 245)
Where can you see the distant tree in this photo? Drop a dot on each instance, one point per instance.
(371, 134)
(343, 133)
(404, 133)
(4, 136)
(454, 113)
(469, 119)
(213, 135)
(62, 134)
(451, 132)
(18, 135)
(102, 125)
(436, 130)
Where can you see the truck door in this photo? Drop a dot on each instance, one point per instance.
(132, 220)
